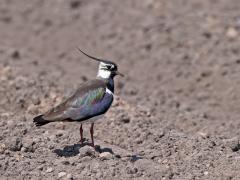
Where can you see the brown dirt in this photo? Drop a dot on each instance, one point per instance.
(176, 113)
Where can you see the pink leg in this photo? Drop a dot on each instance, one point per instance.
(91, 132)
(81, 134)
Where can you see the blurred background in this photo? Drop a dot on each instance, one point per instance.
(179, 99)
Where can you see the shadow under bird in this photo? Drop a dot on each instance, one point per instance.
(89, 103)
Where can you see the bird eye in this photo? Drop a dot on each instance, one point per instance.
(109, 67)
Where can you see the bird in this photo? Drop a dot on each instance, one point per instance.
(90, 101)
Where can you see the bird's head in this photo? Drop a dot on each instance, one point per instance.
(107, 69)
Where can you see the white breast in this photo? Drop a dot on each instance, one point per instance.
(109, 91)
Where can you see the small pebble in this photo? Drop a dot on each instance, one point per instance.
(61, 174)
(75, 4)
(87, 151)
(69, 176)
(15, 54)
(2, 148)
(231, 33)
(15, 144)
(40, 167)
(125, 119)
(105, 156)
(49, 170)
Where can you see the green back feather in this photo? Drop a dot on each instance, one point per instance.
(89, 98)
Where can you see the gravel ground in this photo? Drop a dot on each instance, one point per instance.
(176, 112)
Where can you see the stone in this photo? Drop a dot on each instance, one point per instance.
(32, 109)
(28, 145)
(15, 144)
(69, 176)
(2, 148)
(23, 149)
(105, 156)
(125, 118)
(75, 4)
(131, 170)
(87, 151)
(49, 170)
(62, 174)
(15, 54)
(59, 133)
(40, 167)
(231, 33)
(233, 144)
(143, 164)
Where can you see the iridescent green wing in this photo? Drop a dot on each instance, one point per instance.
(89, 98)
(89, 93)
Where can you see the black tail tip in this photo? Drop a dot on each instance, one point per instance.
(39, 121)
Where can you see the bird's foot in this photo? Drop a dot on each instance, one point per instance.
(82, 141)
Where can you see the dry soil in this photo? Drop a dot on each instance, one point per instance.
(176, 112)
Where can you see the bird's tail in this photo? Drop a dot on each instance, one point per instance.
(40, 121)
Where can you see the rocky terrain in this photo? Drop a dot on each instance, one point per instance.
(176, 112)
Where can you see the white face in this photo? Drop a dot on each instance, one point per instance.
(103, 72)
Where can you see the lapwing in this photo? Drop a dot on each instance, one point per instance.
(89, 103)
